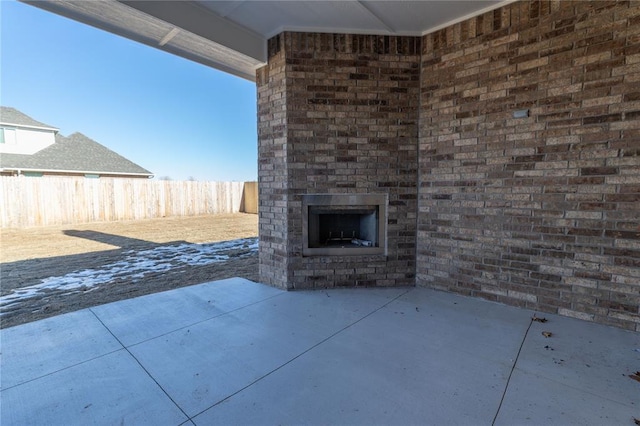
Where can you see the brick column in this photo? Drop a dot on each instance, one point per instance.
(338, 114)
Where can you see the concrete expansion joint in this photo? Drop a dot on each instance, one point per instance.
(513, 367)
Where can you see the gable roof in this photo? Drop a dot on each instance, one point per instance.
(76, 154)
(13, 117)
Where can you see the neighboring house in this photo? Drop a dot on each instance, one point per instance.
(31, 148)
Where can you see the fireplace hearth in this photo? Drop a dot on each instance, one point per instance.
(344, 224)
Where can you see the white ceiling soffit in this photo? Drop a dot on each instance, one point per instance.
(268, 18)
(231, 35)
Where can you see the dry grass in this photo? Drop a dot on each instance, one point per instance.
(53, 241)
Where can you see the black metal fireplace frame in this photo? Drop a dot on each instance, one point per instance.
(350, 203)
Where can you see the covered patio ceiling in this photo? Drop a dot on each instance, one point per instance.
(232, 35)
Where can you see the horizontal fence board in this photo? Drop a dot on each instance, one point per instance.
(26, 202)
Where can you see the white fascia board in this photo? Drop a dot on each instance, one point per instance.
(88, 172)
(198, 20)
(219, 64)
(27, 126)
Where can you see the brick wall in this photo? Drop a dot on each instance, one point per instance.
(272, 168)
(350, 127)
(541, 212)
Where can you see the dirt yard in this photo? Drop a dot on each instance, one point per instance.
(52, 270)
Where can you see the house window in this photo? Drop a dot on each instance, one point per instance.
(33, 174)
(91, 176)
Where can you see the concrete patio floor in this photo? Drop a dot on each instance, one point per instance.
(237, 352)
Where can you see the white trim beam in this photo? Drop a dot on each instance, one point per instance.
(170, 35)
(198, 20)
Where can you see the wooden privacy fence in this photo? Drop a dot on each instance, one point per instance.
(28, 201)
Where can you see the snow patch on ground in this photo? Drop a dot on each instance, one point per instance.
(135, 265)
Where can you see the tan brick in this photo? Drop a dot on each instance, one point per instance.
(576, 314)
(522, 296)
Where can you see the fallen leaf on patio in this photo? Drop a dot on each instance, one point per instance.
(547, 333)
(636, 421)
(537, 319)
(635, 376)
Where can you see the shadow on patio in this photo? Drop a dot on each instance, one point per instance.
(237, 352)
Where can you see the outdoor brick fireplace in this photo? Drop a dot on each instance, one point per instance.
(338, 141)
(344, 224)
(538, 210)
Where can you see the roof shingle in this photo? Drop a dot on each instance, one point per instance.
(75, 153)
(80, 153)
(14, 117)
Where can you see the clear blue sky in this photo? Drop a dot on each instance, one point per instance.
(172, 116)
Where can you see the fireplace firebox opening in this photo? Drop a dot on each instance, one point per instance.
(344, 224)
